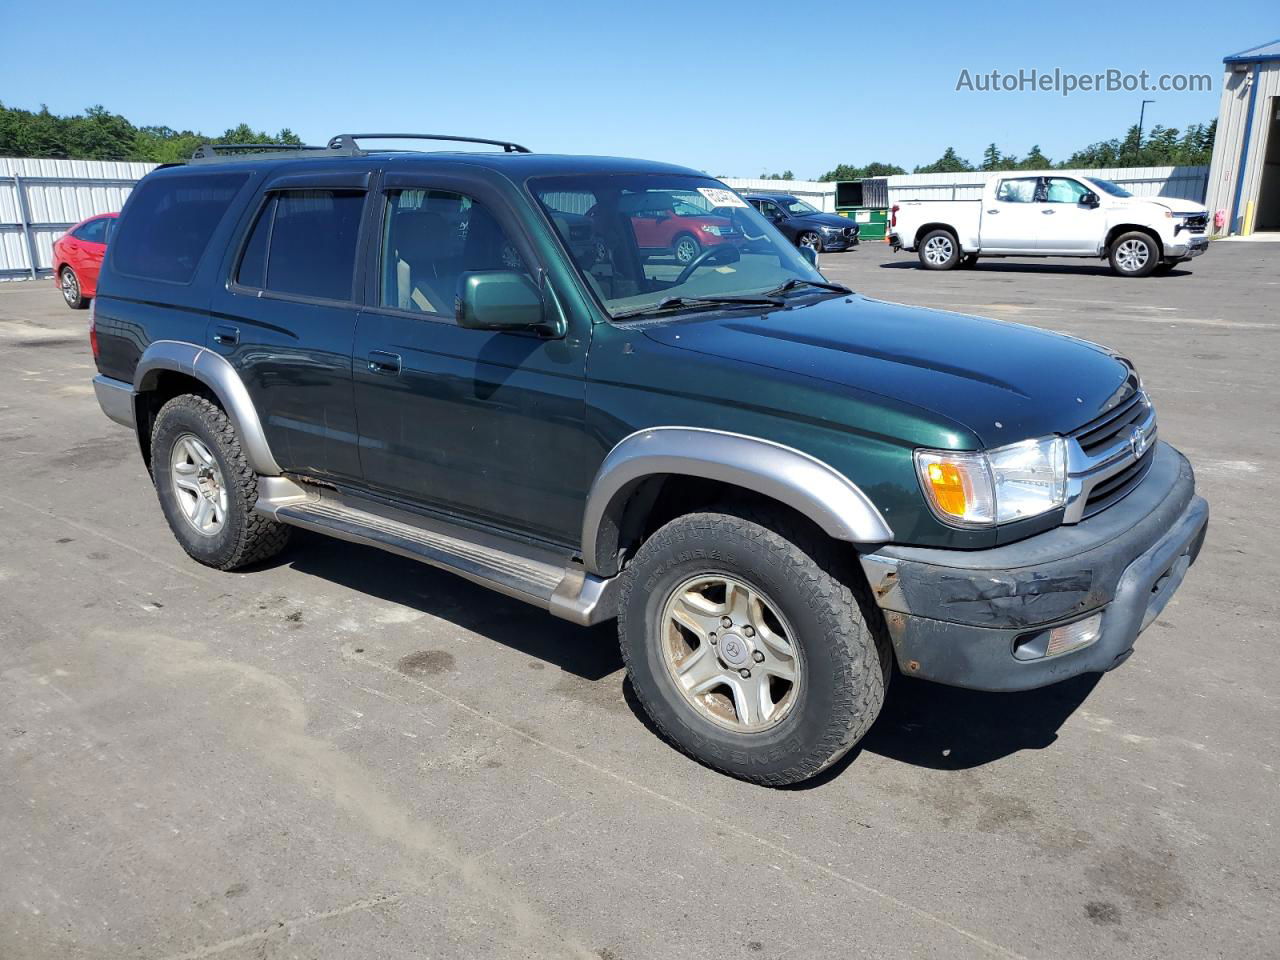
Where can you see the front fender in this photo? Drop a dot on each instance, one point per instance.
(779, 472)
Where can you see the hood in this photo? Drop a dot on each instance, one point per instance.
(826, 219)
(1004, 381)
(1176, 204)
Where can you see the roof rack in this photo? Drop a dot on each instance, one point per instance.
(210, 151)
(347, 141)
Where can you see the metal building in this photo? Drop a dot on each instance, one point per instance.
(1244, 178)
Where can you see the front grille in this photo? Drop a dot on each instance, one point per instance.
(1119, 485)
(1114, 425)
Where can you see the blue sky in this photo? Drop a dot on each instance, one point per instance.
(730, 88)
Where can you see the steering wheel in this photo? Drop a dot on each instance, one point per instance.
(720, 253)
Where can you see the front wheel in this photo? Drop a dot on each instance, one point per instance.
(749, 647)
(686, 250)
(939, 250)
(69, 283)
(811, 240)
(1134, 254)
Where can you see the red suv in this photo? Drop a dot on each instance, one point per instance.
(666, 223)
(77, 257)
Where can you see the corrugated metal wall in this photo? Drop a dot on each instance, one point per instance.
(40, 199)
(1238, 87)
(821, 195)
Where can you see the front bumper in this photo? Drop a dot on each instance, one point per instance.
(957, 616)
(1186, 249)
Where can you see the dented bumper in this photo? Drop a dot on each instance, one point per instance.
(969, 618)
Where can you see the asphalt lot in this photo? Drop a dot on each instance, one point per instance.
(345, 754)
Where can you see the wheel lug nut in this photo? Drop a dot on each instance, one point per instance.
(749, 630)
(758, 657)
(744, 673)
(726, 622)
(714, 638)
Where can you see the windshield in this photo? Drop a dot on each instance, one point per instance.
(1106, 186)
(798, 207)
(639, 240)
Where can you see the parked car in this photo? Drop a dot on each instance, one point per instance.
(77, 257)
(782, 491)
(671, 223)
(804, 224)
(1052, 215)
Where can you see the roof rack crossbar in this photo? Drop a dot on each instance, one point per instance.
(348, 140)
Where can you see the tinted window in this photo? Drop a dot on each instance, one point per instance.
(430, 238)
(1018, 191)
(95, 231)
(170, 221)
(304, 242)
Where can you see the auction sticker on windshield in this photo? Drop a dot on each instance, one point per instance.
(722, 198)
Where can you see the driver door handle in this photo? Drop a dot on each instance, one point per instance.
(993, 211)
(382, 362)
(1047, 212)
(226, 336)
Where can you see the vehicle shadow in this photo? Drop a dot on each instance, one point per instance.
(996, 265)
(923, 724)
(590, 654)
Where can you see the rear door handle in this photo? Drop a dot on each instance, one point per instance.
(227, 336)
(993, 211)
(1046, 211)
(383, 362)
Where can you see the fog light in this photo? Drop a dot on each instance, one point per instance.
(1059, 640)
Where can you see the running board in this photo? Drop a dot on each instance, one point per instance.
(518, 570)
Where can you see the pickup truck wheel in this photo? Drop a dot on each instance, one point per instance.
(69, 283)
(206, 487)
(747, 649)
(939, 250)
(1134, 254)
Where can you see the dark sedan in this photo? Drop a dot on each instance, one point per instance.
(804, 224)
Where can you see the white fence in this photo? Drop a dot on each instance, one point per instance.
(1186, 182)
(40, 199)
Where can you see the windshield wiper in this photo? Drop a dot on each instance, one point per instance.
(684, 303)
(795, 282)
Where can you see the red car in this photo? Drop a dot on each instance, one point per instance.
(77, 257)
(669, 224)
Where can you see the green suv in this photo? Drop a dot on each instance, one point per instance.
(784, 492)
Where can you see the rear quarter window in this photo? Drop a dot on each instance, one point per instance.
(169, 223)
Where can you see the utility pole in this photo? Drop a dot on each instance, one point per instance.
(1141, 116)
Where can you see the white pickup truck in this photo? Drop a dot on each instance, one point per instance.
(1052, 214)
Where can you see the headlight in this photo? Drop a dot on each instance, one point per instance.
(711, 229)
(981, 489)
(826, 229)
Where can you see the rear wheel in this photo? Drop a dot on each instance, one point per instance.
(748, 646)
(69, 283)
(207, 489)
(939, 250)
(1134, 254)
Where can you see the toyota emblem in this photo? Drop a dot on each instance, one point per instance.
(1137, 442)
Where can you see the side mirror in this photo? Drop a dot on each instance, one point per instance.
(499, 300)
(811, 255)
(1090, 199)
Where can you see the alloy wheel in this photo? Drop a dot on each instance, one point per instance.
(70, 286)
(198, 485)
(1132, 255)
(938, 250)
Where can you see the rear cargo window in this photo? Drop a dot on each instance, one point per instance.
(169, 224)
(304, 243)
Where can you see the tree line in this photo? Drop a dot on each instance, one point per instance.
(98, 134)
(1159, 147)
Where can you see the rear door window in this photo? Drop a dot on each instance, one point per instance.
(170, 221)
(95, 231)
(1021, 190)
(304, 243)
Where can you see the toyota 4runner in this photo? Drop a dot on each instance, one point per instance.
(782, 491)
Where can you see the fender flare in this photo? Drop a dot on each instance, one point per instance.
(218, 375)
(782, 473)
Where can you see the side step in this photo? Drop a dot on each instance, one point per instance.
(525, 572)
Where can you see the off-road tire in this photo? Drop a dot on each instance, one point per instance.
(1116, 257)
(246, 537)
(939, 250)
(847, 659)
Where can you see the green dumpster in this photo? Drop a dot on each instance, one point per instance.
(866, 203)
